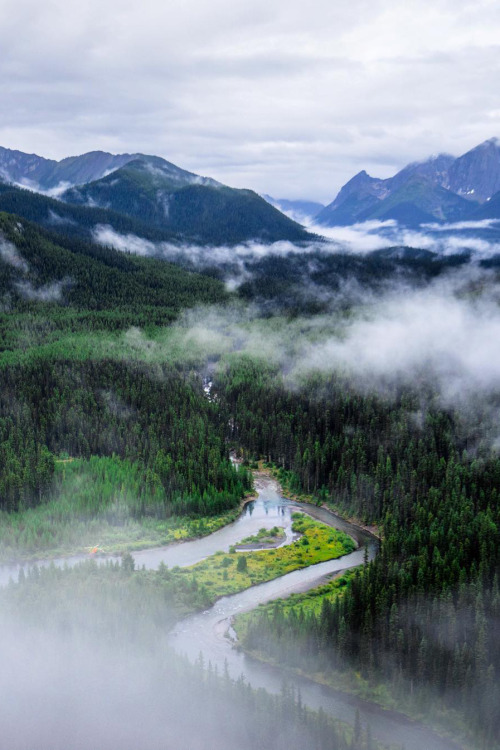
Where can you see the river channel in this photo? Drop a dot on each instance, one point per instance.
(210, 632)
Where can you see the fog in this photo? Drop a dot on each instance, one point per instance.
(46, 293)
(482, 238)
(10, 255)
(479, 240)
(72, 691)
(51, 292)
(431, 332)
(86, 664)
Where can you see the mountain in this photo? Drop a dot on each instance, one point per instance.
(358, 196)
(476, 174)
(422, 201)
(435, 170)
(151, 195)
(298, 210)
(74, 221)
(490, 209)
(197, 208)
(441, 188)
(46, 174)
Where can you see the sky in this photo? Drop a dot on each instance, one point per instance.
(284, 97)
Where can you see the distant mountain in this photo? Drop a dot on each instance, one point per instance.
(46, 174)
(198, 208)
(358, 197)
(476, 174)
(428, 201)
(442, 188)
(301, 211)
(489, 209)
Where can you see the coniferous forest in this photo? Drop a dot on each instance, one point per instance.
(105, 414)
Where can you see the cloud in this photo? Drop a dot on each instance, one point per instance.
(10, 255)
(457, 225)
(435, 340)
(268, 96)
(360, 239)
(432, 334)
(129, 243)
(51, 292)
(46, 293)
(446, 239)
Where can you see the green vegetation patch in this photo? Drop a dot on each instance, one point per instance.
(295, 605)
(223, 574)
(265, 537)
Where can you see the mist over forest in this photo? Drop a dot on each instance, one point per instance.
(363, 378)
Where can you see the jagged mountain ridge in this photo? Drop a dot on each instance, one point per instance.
(37, 172)
(156, 193)
(442, 188)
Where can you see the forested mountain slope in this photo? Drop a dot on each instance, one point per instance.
(198, 209)
(40, 268)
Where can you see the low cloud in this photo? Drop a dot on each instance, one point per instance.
(429, 334)
(11, 255)
(52, 292)
(57, 220)
(458, 225)
(439, 341)
(481, 239)
(444, 239)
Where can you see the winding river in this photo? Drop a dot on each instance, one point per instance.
(210, 632)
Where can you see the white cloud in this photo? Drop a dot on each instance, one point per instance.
(46, 293)
(271, 95)
(11, 255)
(431, 333)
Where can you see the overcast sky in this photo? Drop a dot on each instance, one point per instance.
(284, 96)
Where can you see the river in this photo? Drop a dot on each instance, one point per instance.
(208, 632)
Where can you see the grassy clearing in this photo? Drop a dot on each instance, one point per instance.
(31, 535)
(224, 574)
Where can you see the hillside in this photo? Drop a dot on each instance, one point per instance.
(65, 276)
(152, 193)
(199, 209)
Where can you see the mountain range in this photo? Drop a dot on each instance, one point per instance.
(148, 190)
(157, 200)
(441, 189)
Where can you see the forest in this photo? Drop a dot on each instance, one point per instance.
(426, 612)
(104, 417)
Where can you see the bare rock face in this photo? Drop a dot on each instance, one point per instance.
(476, 174)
